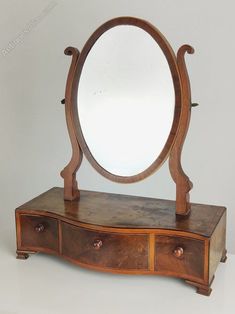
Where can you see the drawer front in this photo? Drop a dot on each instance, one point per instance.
(180, 256)
(39, 232)
(106, 250)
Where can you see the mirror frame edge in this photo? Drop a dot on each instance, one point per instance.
(170, 57)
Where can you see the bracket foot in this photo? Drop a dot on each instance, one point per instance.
(201, 289)
(224, 257)
(23, 254)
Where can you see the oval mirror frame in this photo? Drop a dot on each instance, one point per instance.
(172, 62)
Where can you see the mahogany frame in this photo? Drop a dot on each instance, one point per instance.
(174, 145)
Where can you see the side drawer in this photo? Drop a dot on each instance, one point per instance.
(38, 232)
(105, 250)
(180, 256)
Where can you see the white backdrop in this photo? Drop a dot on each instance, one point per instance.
(33, 135)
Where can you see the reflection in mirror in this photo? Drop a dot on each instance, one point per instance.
(126, 100)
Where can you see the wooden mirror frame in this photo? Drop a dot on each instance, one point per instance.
(175, 141)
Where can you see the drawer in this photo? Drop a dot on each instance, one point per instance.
(105, 250)
(179, 256)
(38, 232)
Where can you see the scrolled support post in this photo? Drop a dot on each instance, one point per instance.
(71, 191)
(182, 181)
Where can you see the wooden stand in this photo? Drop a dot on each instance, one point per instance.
(125, 234)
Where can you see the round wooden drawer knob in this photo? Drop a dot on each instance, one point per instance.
(39, 228)
(97, 244)
(178, 252)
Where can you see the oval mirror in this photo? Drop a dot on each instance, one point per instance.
(128, 112)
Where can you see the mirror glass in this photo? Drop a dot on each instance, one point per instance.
(126, 100)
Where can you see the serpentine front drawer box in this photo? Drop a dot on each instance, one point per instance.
(111, 241)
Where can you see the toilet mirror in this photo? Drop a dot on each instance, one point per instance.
(127, 100)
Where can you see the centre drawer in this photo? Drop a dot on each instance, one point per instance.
(104, 249)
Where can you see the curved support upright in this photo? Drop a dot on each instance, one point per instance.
(182, 181)
(71, 191)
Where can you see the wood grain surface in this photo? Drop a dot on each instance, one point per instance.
(123, 211)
